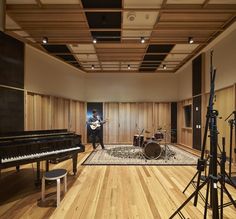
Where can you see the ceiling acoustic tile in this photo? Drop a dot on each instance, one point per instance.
(87, 57)
(59, 2)
(222, 2)
(82, 48)
(106, 35)
(68, 58)
(134, 34)
(137, 19)
(142, 3)
(56, 48)
(176, 57)
(184, 48)
(20, 2)
(102, 3)
(104, 19)
(185, 1)
(162, 48)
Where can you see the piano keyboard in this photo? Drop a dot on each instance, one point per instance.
(37, 155)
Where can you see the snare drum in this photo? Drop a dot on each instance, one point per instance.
(152, 150)
(159, 135)
(138, 140)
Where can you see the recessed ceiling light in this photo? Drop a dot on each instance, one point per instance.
(45, 40)
(92, 67)
(128, 67)
(142, 40)
(94, 40)
(164, 67)
(190, 40)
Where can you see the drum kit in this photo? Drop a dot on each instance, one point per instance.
(153, 147)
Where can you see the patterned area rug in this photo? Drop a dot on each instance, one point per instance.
(131, 155)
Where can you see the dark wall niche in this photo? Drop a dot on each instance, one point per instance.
(11, 61)
(11, 74)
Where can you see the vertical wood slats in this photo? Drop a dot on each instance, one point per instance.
(48, 112)
(127, 119)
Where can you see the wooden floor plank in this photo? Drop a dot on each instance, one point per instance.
(105, 192)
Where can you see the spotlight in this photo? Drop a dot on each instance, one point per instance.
(190, 40)
(142, 40)
(45, 40)
(92, 67)
(128, 67)
(94, 40)
(164, 67)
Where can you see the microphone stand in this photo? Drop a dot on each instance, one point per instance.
(232, 124)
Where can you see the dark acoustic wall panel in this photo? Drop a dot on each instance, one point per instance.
(197, 76)
(11, 61)
(174, 122)
(197, 133)
(11, 110)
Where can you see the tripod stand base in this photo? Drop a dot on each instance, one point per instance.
(231, 181)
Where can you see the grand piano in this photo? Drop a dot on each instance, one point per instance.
(25, 147)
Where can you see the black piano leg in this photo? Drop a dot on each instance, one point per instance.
(18, 168)
(47, 165)
(37, 182)
(74, 159)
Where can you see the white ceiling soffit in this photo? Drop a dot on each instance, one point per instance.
(82, 48)
(135, 33)
(142, 3)
(134, 19)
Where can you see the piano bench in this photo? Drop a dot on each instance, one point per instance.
(57, 175)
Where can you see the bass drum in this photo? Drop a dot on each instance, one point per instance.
(152, 150)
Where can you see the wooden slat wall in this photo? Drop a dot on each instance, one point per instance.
(48, 112)
(224, 103)
(126, 119)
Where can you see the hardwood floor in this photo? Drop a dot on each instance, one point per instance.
(103, 192)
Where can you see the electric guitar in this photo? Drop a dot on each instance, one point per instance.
(97, 124)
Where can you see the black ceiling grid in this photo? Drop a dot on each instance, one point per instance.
(152, 62)
(102, 3)
(104, 19)
(65, 56)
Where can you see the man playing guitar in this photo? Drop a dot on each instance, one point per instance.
(95, 125)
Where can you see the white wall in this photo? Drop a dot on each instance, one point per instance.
(131, 87)
(224, 60)
(48, 75)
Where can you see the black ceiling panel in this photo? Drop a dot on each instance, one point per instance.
(102, 3)
(163, 48)
(57, 48)
(147, 69)
(154, 57)
(106, 35)
(67, 57)
(104, 19)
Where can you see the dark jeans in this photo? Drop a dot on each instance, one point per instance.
(97, 134)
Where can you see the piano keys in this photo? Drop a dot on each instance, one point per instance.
(34, 146)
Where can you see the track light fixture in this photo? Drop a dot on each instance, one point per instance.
(142, 40)
(94, 40)
(190, 40)
(164, 67)
(128, 67)
(45, 40)
(92, 67)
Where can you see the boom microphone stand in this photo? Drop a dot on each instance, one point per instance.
(212, 179)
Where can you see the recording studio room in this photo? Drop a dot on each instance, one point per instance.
(118, 109)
